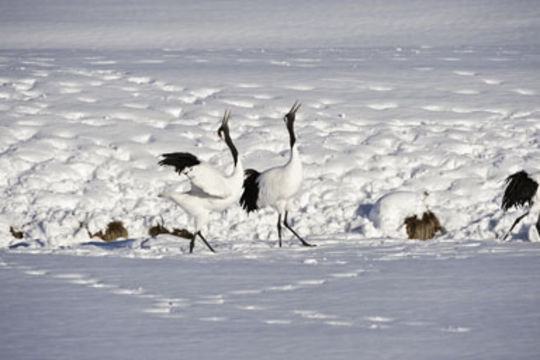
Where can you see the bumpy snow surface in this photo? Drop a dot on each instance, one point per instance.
(398, 99)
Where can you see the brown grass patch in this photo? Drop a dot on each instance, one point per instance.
(16, 234)
(161, 229)
(115, 230)
(424, 228)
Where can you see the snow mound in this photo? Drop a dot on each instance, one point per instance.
(390, 211)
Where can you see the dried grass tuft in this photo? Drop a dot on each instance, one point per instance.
(161, 229)
(115, 230)
(16, 234)
(424, 228)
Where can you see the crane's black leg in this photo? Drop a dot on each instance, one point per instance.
(514, 224)
(538, 225)
(294, 232)
(192, 243)
(279, 228)
(206, 242)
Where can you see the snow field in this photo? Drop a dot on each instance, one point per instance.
(83, 133)
(399, 98)
(375, 300)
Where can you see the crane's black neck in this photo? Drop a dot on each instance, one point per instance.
(290, 128)
(231, 146)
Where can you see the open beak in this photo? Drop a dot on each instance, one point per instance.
(292, 113)
(224, 124)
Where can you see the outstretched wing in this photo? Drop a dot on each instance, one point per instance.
(205, 179)
(520, 190)
(180, 161)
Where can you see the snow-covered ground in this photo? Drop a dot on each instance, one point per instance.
(352, 301)
(419, 96)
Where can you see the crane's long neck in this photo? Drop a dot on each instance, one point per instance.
(294, 160)
(292, 137)
(231, 146)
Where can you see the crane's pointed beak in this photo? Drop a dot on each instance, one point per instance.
(224, 128)
(291, 115)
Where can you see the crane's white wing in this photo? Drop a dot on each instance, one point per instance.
(208, 180)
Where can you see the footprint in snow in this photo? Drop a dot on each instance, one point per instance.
(36, 272)
(129, 292)
(345, 275)
(313, 282)
(379, 322)
(313, 315)
(246, 292)
(69, 276)
(382, 106)
(277, 322)
(137, 106)
(466, 92)
(527, 92)
(248, 86)
(492, 81)
(103, 62)
(457, 329)
(250, 307)
(149, 61)
(213, 319)
(299, 87)
(464, 73)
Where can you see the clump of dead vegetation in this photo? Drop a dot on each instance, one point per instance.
(161, 229)
(424, 228)
(115, 230)
(16, 234)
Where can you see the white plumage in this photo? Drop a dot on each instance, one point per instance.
(208, 181)
(210, 189)
(276, 186)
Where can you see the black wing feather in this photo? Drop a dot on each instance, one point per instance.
(520, 190)
(251, 190)
(180, 161)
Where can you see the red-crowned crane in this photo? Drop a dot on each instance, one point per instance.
(522, 189)
(210, 189)
(276, 186)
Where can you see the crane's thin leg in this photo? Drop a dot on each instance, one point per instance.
(514, 224)
(279, 228)
(192, 243)
(206, 242)
(538, 225)
(294, 232)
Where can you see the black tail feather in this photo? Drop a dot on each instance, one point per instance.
(180, 161)
(520, 190)
(251, 190)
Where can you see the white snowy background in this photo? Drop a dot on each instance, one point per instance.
(437, 96)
